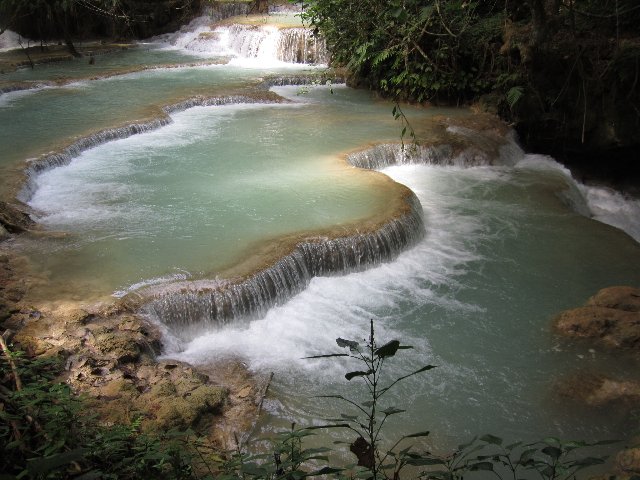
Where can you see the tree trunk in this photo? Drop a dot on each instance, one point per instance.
(61, 20)
(260, 6)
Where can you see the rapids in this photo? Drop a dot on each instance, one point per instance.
(262, 225)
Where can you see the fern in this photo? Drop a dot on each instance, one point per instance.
(514, 95)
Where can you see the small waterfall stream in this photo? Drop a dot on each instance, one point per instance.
(194, 306)
(267, 42)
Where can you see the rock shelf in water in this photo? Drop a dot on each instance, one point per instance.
(281, 267)
(284, 266)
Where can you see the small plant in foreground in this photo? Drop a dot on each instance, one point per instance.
(43, 434)
(370, 416)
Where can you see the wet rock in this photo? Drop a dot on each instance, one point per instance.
(13, 220)
(186, 411)
(122, 348)
(612, 327)
(612, 317)
(620, 298)
(597, 390)
(627, 462)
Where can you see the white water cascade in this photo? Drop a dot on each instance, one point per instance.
(10, 40)
(266, 43)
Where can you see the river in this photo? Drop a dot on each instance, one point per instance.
(221, 165)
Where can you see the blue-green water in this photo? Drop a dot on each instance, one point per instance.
(504, 249)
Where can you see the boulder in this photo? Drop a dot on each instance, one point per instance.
(13, 220)
(620, 298)
(595, 390)
(612, 327)
(627, 462)
(612, 317)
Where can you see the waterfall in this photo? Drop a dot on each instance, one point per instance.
(476, 150)
(10, 40)
(65, 155)
(187, 307)
(300, 45)
(192, 305)
(267, 42)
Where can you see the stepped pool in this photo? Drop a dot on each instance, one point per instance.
(190, 186)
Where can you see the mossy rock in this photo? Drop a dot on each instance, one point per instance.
(163, 389)
(122, 348)
(188, 411)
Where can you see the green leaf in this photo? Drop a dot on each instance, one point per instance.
(491, 439)
(327, 356)
(42, 466)
(326, 471)
(481, 466)
(512, 446)
(588, 461)
(358, 373)
(389, 349)
(423, 462)
(336, 425)
(514, 95)
(553, 452)
(347, 343)
(416, 435)
(392, 411)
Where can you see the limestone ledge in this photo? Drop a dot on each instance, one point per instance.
(111, 357)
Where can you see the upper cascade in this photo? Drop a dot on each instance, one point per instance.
(268, 42)
(10, 40)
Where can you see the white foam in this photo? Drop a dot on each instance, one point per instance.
(600, 203)
(613, 208)
(175, 277)
(330, 306)
(10, 40)
(248, 46)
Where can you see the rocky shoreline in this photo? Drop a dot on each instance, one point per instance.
(111, 359)
(611, 320)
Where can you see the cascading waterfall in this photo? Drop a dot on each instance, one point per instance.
(291, 45)
(263, 42)
(300, 45)
(10, 40)
(64, 156)
(188, 307)
(388, 154)
(194, 305)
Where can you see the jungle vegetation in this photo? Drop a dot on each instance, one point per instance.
(564, 72)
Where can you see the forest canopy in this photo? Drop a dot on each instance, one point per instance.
(565, 71)
(48, 20)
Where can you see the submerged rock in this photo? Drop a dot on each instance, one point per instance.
(596, 390)
(612, 317)
(627, 462)
(13, 220)
(620, 298)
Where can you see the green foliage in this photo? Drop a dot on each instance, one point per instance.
(44, 433)
(369, 418)
(413, 49)
(549, 459)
